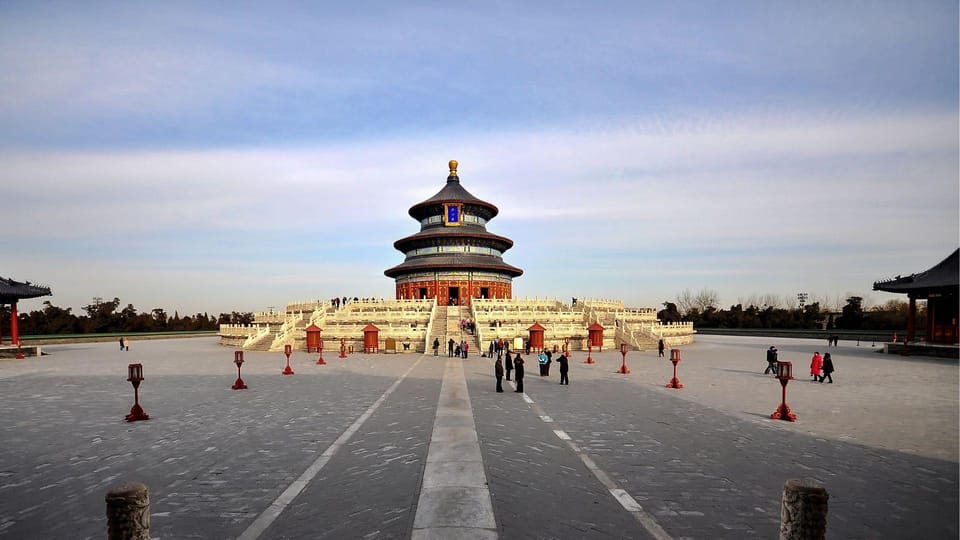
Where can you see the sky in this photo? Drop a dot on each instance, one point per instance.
(232, 156)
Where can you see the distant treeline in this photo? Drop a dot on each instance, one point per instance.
(891, 316)
(106, 317)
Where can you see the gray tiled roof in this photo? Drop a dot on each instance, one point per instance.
(945, 275)
(454, 262)
(11, 291)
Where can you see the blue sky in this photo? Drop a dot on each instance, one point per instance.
(234, 156)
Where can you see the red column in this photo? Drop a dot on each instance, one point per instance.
(910, 319)
(13, 325)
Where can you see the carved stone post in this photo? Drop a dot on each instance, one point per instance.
(128, 512)
(803, 510)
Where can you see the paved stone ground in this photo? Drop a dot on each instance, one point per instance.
(703, 462)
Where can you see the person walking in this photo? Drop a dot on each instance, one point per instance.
(827, 368)
(436, 346)
(816, 365)
(450, 344)
(771, 361)
(660, 347)
(498, 373)
(509, 366)
(518, 369)
(121, 343)
(564, 369)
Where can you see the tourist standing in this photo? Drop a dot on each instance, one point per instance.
(546, 370)
(436, 346)
(564, 369)
(466, 349)
(771, 361)
(518, 368)
(498, 373)
(121, 343)
(509, 365)
(827, 368)
(660, 347)
(816, 364)
(542, 360)
(450, 345)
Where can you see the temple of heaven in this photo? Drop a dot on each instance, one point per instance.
(453, 258)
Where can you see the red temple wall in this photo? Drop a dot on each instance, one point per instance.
(468, 289)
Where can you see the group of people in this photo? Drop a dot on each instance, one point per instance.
(821, 367)
(453, 348)
(516, 365)
(124, 344)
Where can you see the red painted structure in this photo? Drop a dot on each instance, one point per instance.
(313, 337)
(675, 359)
(135, 376)
(623, 367)
(371, 339)
(238, 360)
(785, 375)
(10, 293)
(595, 336)
(536, 337)
(940, 287)
(453, 259)
(287, 349)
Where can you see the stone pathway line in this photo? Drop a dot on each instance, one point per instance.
(265, 519)
(454, 496)
(626, 501)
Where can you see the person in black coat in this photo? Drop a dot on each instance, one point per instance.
(498, 372)
(518, 368)
(564, 368)
(827, 368)
(509, 365)
(436, 346)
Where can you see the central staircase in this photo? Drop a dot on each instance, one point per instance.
(447, 326)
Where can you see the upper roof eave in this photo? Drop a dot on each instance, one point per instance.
(943, 275)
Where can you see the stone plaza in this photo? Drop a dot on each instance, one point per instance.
(390, 445)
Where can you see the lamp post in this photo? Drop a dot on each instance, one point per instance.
(589, 359)
(623, 368)
(287, 349)
(135, 376)
(238, 360)
(675, 358)
(320, 361)
(343, 347)
(784, 373)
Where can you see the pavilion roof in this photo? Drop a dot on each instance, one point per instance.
(453, 262)
(451, 192)
(945, 275)
(12, 291)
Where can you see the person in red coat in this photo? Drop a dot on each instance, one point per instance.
(816, 365)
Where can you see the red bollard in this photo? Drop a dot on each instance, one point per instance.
(623, 368)
(135, 376)
(320, 361)
(287, 349)
(238, 360)
(675, 358)
(783, 412)
(343, 348)
(589, 359)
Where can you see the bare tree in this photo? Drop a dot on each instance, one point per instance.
(685, 302)
(706, 298)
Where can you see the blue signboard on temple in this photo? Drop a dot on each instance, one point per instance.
(452, 215)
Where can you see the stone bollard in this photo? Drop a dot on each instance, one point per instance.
(803, 510)
(128, 512)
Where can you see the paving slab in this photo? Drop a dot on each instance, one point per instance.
(705, 461)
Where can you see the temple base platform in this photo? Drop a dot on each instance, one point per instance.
(10, 351)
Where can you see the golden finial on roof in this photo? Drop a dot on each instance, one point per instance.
(453, 167)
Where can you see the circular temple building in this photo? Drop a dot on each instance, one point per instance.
(453, 258)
